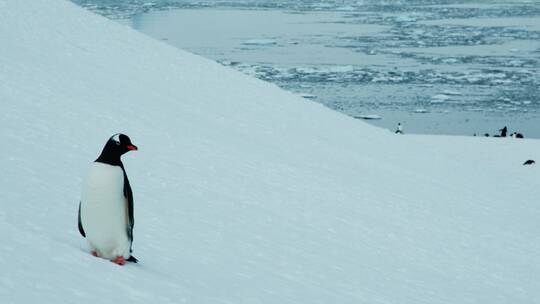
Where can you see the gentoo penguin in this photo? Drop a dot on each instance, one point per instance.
(503, 131)
(106, 206)
(399, 128)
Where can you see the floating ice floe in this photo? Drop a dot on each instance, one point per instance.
(515, 63)
(369, 116)
(261, 42)
(473, 79)
(405, 18)
(449, 92)
(341, 69)
(306, 70)
(439, 98)
(421, 110)
(346, 9)
(450, 60)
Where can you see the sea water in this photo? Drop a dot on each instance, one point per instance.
(437, 67)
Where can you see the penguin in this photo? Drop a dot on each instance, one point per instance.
(399, 128)
(503, 131)
(106, 206)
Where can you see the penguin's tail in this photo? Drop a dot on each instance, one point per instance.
(132, 259)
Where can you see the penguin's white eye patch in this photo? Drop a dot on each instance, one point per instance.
(116, 139)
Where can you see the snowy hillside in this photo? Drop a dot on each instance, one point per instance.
(243, 193)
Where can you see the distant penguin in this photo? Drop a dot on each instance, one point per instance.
(399, 128)
(106, 206)
(503, 131)
(529, 162)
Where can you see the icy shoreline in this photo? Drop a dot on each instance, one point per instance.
(355, 63)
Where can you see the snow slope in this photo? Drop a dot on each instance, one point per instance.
(244, 193)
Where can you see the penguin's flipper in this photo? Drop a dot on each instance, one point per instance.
(131, 221)
(132, 259)
(81, 230)
(128, 194)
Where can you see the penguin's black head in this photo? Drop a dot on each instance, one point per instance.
(115, 147)
(120, 143)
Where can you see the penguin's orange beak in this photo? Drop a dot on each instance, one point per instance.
(132, 148)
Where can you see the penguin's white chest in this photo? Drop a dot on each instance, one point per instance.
(104, 215)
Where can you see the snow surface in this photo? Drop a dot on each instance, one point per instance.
(244, 193)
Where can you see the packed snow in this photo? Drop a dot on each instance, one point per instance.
(244, 193)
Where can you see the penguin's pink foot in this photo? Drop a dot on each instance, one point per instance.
(119, 260)
(94, 253)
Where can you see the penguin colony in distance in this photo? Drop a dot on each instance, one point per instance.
(106, 206)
